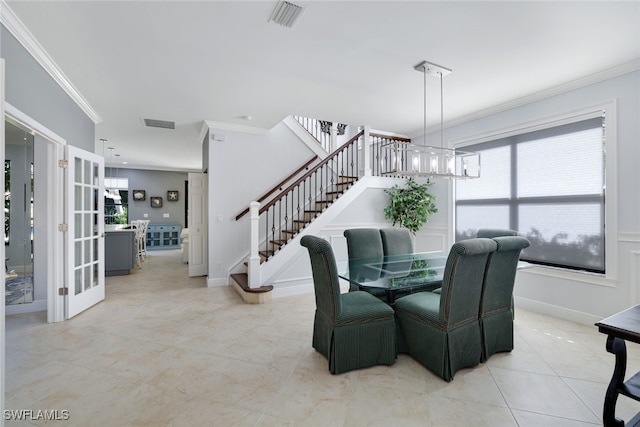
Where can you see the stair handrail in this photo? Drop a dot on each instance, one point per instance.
(323, 139)
(279, 185)
(308, 174)
(391, 137)
(380, 155)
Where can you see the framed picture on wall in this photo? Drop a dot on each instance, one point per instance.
(139, 195)
(172, 196)
(156, 202)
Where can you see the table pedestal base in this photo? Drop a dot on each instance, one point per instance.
(617, 386)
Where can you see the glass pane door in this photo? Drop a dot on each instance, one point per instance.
(85, 234)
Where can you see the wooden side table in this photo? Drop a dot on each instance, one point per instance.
(621, 327)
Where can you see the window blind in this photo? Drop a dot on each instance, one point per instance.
(549, 185)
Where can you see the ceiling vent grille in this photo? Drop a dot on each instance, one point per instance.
(286, 14)
(164, 124)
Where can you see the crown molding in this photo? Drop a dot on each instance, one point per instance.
(236, 128)
(590, 79)
(204, 128)
(14, 25)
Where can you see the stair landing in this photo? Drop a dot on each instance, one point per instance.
(261, 295)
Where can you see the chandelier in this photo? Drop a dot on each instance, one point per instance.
(424, 160)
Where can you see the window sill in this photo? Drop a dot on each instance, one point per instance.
(572, 275)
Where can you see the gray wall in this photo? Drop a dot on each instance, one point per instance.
(156, 184)
(30, 89)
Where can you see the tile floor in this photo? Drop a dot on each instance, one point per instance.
(165, 350)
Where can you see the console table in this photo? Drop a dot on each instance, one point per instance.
(163, 236)
(621, 327)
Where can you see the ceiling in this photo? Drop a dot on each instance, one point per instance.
(351, 62)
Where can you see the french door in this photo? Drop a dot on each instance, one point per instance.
(84, 246)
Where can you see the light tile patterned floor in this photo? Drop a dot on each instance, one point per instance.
(165, 350)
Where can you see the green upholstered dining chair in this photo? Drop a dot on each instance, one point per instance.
(442, 331)
(352, 330)
(363, 243)
(496, 303)
(490, 233)
(396, 241)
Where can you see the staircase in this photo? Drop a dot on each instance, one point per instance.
(283, 220)
(262, 294)
(308, 215)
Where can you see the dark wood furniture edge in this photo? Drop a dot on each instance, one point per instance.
(618, 328)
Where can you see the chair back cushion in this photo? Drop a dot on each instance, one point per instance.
(326, 283)
(363, 243)
(463, 279)
(501, 273)
(490, 233)
(396, 241)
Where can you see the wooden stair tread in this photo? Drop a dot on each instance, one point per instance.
(242, 279)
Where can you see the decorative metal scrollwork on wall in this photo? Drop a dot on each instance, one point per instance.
(325, 126)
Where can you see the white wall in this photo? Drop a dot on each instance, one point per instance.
(579, 296)
(242, 168)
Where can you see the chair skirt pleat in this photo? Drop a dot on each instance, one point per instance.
(322, 335)
(465, 347)
(362, 345)
(497, 333)
(443, 353)
(355, 346)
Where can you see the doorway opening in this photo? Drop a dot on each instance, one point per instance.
(36, 200)
(19, 221)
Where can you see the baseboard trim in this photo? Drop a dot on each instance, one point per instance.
(556, 311)
(217, 281)
(287, 291)
(37, 305)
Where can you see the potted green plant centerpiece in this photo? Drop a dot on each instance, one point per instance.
(410, 206)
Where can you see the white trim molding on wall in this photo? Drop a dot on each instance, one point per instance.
(14, 25)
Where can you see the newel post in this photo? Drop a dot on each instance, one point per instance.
(333, 141)
(366, 152)
(254, 256)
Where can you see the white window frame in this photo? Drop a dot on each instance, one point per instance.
(611, 197)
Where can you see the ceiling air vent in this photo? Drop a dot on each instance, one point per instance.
(164, 124)
(286, 14)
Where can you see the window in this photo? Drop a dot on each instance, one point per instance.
(116, 201)
(549, 184)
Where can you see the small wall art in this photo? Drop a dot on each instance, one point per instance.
(156, 202)
(139, 195)
(172, 196)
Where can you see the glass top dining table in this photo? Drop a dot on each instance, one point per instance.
(395, 273)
